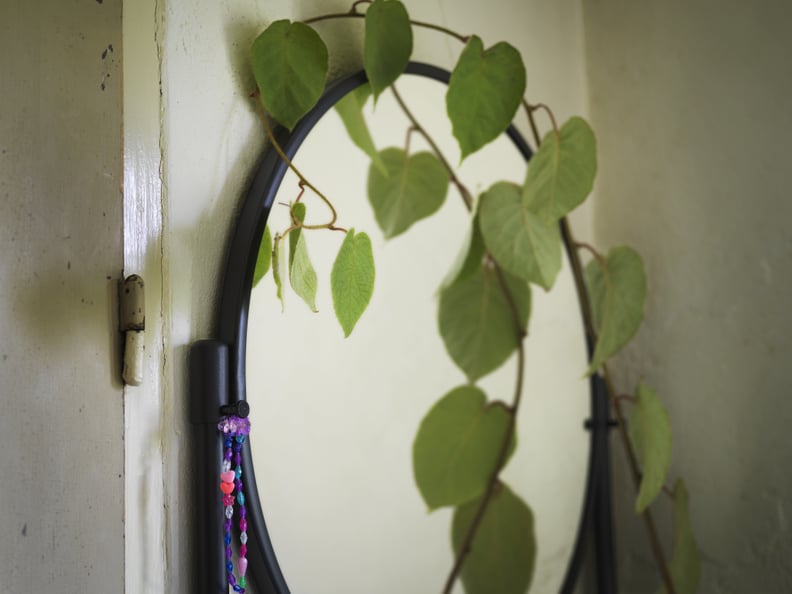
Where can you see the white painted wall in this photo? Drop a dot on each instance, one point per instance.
(211, 141)
(61, 425)
(691, 104)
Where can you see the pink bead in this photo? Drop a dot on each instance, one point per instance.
(243, 550)
(243, 525)
(242, 565)
(228, 500)
(228, 477)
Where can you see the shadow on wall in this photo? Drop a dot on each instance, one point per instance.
(692, 118)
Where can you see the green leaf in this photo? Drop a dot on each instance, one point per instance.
(484, 92)
(650, 432)
(469, 258)
(352, 279)
(518, 239)
(561, 173)
(685, 566)
(414, 188)
(276, 268)
(350, 109)
(503, 551)
(457, 446)
(302, 275)
(264, 258)
(388, 43)
(290, 65)
(476, 322)
(618, 292)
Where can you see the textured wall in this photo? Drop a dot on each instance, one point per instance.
(61, 425)
(691, 104)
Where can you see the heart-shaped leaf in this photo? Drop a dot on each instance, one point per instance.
(476, 322)
(264, 258)
(457, 447)
(518, 239)
(302, 275)
(484, 92)
(388, 43)
(503, 551)
(352, 279)
(650, 432)
(561, 173)
(290, 65)
(414, 188)
(617, 288)
(277, 267)
(685, 566)
(350, 108)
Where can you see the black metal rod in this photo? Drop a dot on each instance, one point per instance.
(208, 392)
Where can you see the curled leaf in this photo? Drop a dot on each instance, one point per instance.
(350, 109)
(302, 275)
(650, 432)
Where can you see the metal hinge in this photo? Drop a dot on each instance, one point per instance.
(132, 322)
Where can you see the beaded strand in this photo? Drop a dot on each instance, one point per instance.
(235, 430)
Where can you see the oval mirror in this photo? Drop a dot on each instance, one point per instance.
(333, 420)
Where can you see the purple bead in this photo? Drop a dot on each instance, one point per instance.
(242, 512)
(227, 525)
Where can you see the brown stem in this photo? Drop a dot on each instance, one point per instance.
(632, 458)
(353, 13)
(530, 109)
(494, 482)
(467, 198)
(303, 180)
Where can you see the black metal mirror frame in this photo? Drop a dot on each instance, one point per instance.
(217, 381)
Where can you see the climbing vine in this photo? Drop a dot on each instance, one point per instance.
(514, 241)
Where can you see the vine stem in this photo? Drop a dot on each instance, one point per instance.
(467, 198)
(493, 483)
(591, 337)
(354, 14)
(632, 458)
(303, 180)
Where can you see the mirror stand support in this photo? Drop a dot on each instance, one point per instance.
(596, 518)
(208, 393)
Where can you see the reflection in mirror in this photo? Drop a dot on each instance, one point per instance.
(334, 419)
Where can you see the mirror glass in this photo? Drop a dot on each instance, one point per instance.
(333, 419)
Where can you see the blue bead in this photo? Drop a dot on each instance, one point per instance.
(229, 566)
(227, 539)
(241, 498)
(240, 438)
(238, 471)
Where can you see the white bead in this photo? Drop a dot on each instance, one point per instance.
(229, 512)
(243, 538)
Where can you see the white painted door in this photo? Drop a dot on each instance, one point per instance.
(61, 422)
